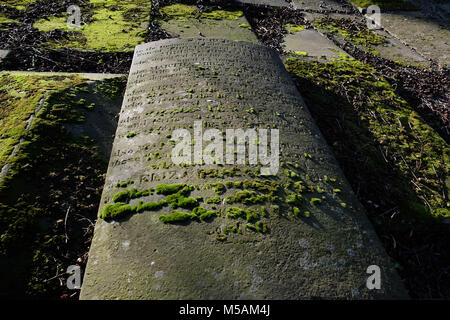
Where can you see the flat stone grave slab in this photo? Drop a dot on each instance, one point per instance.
(310, 43)
(377, 42)
(20, 5)
(105, 26)
(3, 54)
(210, 226)
(185, 21)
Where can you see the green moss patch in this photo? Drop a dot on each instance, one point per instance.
(177, 216)
(185, 21)
(384, 140)
(167, 189)
(346, 29)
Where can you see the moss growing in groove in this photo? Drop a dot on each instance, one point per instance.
(294, 28)
(222, 15)
(131, 134)
(126, 195)
(179, 200)
(112, 26)
(247, 197)
(134, 193)
(259, 227)
(315, 201)
(21, 94)
(177, 216)
(263, 211)
(183, 202)
(18, 4)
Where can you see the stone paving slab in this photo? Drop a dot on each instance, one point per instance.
(393, 49)
(427, 37)
(396, 50)
(99, 119)
(313, 44)
(105, 26)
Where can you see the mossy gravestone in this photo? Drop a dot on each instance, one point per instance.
(194, 230)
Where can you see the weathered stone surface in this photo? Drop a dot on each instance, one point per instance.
(105, 26)
(313, 44)
(324, 250)
(327, 5)
(235, 27)
(426, 36)
(273, 3)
